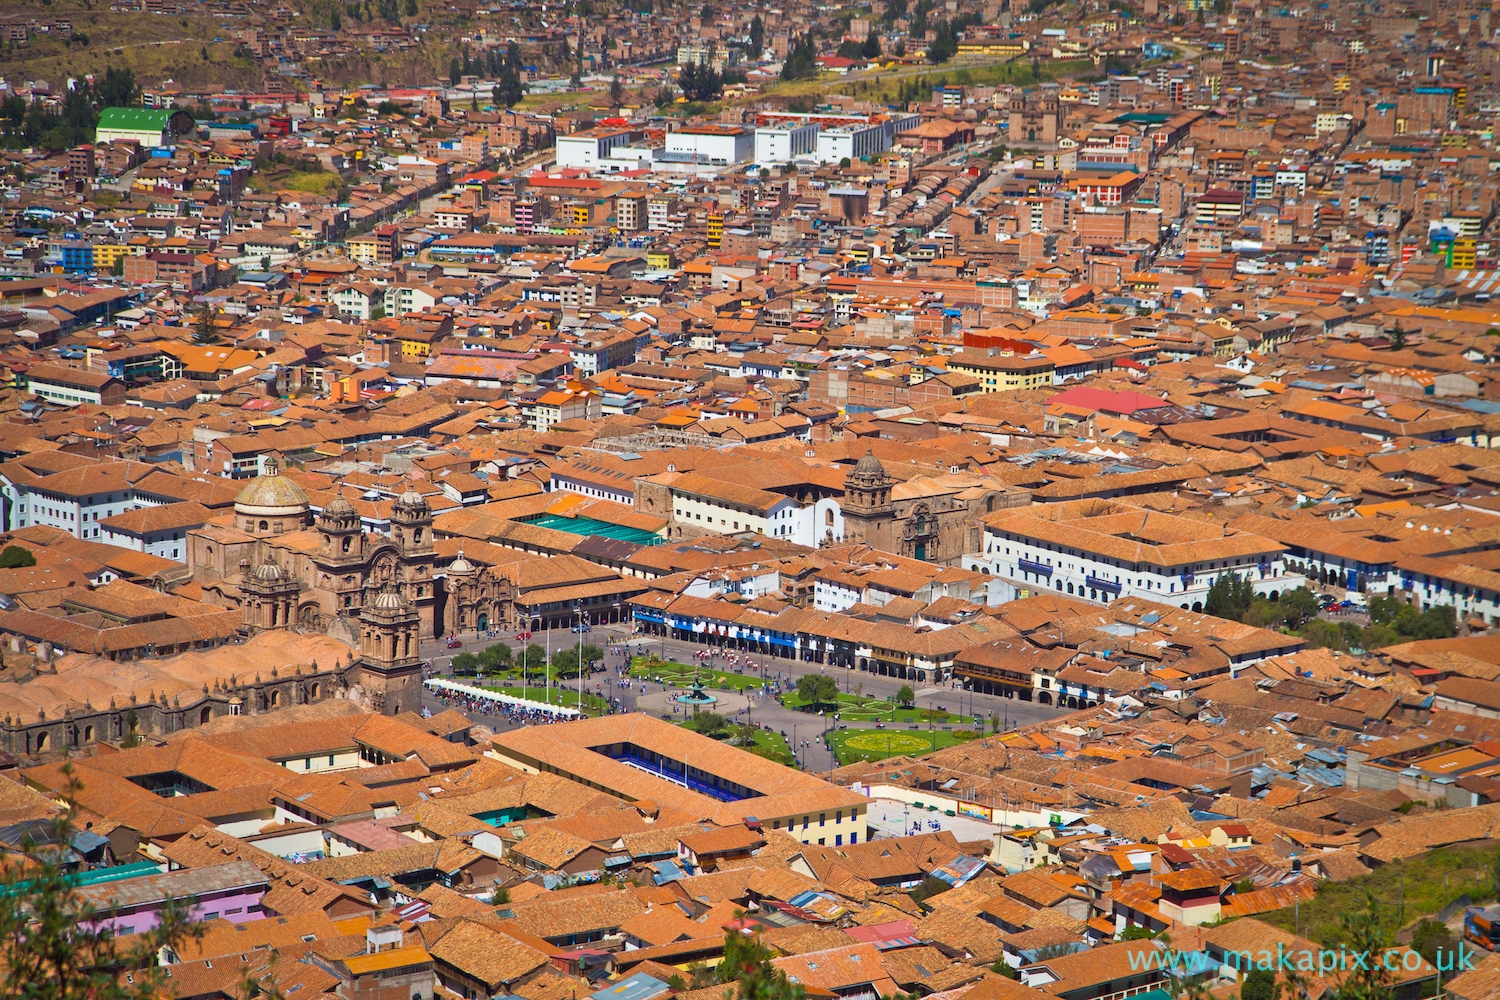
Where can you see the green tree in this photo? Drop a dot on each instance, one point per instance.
(814, 690)
(710, 724)
(905, 696)
(1397, 338)
(411, 8)
(53, 949)
(700, 82)
(1362, 934)
(455, 71)
(509, 89)
(801, 62)
(1430, 938)
(747, 961)
(465, 664)
(1229, 596)
(616, 91)
(132, 737)
(117, 89)
(757, 37)
(204, 331)
(14, 557)
(1259, 984)
(496, 657)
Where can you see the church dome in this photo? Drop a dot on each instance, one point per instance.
(411, 498)
(460, 564)
(271, 493)
(869, 467)
(269, 573)
(338, 507)
(389, 600)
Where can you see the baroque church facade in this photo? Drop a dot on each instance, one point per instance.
(283, 568)
(933, 519)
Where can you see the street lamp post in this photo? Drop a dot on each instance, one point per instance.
(580, 657)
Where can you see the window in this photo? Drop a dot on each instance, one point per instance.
(822, 819)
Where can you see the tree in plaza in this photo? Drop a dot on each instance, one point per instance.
(817, 689)
(906, 696)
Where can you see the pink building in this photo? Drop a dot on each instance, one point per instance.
(231, 891)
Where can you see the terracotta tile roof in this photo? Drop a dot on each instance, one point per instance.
(292, 890)
(487, 954)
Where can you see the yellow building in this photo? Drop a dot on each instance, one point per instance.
(1004, 373)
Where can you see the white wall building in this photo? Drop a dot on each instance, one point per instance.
(730, 508)
(785, 141)
(584, 150)
(717, 145)
(1101, 550)
(852, 141)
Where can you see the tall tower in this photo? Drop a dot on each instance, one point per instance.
(390, 662)
(411, 528)
(268, 597)
(869, 515)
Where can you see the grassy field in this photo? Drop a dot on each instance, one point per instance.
(681, 675)
(1405, 892)
(852, 745)
(885, 85)
(772, 746)
(864, 708)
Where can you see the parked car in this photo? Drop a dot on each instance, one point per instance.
(454, 642)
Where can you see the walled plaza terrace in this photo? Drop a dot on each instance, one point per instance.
(642, 759)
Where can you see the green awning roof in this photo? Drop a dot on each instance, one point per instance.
(589, 526)
(134, 119)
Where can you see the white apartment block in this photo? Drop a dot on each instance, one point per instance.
(1103, 550)
(784, 142)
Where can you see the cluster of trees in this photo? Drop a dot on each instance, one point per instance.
(1406, 622)
(388, 11)
(1391, 619)
(868, 49)
(500, 658)
(801, 63)
(508, 89)
(35, 124)
(700, 82)
(944, 45)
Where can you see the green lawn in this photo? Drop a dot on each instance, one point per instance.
(852, 745)
(681, 675)
(1405, 892)
(772, 746)
(864, 708)
(560, 695)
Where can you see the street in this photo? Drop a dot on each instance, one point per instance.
(799, 727)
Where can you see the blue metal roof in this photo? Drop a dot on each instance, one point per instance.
(637, 987)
